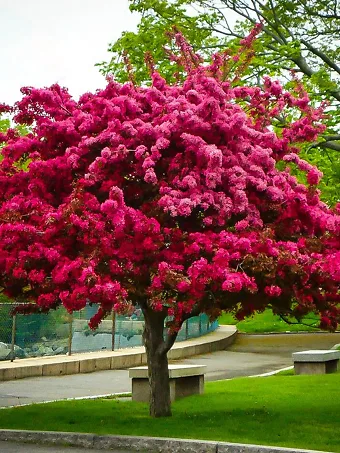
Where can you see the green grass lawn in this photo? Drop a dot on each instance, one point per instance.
(291, 411)
(266, 322)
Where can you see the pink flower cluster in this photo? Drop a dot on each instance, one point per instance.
(169, 194)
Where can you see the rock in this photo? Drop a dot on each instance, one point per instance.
(60, 350)
(19, 352)
(5, 354)
(44, 350)
(3, 345)
(35, 347)
(336, 346)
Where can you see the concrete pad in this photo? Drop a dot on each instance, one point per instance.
(309, 368)
(175, 371)
(185, 380)
(189, 385)
(316, 361)
(141, 390)
(316, 355)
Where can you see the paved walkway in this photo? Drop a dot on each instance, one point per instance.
(220, 365)
(249, 355)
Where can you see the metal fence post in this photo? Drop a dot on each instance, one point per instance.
(70, 334)
(113, 333)
(13, 337)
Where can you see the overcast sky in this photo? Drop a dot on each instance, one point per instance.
(48, 41)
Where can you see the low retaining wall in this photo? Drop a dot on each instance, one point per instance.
(112, 360)
(140, 444)
(286, 342)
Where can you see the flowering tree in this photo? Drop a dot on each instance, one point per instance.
(176, 198)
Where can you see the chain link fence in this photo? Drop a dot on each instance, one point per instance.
(58, 332)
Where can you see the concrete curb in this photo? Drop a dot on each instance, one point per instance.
(89, 362)
(75, 398)
(139, 444)
(272, 373)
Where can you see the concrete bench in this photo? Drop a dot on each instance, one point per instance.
(184, 380)
(316, 361)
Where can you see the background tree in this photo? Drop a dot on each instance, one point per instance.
(4, 124)
(297, 35)
(169, 197)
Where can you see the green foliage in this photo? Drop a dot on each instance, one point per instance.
(290, 411)
(158, 18)
(328, 161)
(4, 124)
(269, 322)
(6, 321)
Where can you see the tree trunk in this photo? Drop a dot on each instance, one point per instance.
(156, 351)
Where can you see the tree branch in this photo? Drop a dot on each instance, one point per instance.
(171, 338)
(321, 55)
(331, 137)
(168, 343)
(326, 144)
(313, 326)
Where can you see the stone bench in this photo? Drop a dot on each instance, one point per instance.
(316, 361)
(185, 380)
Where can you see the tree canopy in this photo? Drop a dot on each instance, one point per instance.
(178, 198)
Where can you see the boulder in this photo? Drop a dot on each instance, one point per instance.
(60, 350)
(5, 354)
(44, 350)
(19, 352)
(3, 345)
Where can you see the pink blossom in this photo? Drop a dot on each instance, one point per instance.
(314, 176)
(150, 176)
(183, 286)
(169, 195)
(233, 283)
(273, 291)
(37, 276)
